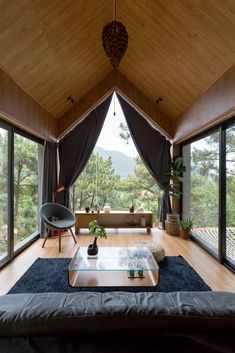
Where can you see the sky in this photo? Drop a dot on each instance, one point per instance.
(109, 137)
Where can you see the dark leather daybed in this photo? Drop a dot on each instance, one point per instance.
(117, 322)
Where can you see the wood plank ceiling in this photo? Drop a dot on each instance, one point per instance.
(177, 48)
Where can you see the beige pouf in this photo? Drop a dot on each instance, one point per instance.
(157, 250)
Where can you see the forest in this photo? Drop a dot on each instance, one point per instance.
(201, 194)
(204, 167)
(26, 157)
(99, 185)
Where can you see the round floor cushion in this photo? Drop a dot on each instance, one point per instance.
(157, 250)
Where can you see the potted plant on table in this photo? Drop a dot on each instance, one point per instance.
(186, 225)
(99, 232)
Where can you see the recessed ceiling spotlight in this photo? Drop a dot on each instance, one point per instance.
(159, 100)
(71, 99)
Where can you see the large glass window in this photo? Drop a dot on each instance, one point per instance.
(3, 194)
(20, 183)
(230, 196)
(115, 174)
(27, 154)
(201, 189)
(209, 190)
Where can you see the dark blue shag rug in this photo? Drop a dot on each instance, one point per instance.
(51, 275)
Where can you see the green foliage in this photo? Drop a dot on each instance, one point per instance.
(204, 180)
(97, 230)
(96, 184)
(25, 186)
(230, 219)
(139, 189)
(124, 133)
(173, 178)
(204, 201)
(26, 201)
(186, 224)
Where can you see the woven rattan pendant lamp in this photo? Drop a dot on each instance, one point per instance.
(115, 39)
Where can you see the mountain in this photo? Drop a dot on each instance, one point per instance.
(122, 164)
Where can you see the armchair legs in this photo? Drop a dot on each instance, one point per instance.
(47, 233)
(59, 241)
(73, 235)
(71, 231)
(45, 238)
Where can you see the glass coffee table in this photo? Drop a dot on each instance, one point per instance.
(114, 267)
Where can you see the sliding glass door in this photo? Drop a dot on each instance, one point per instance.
(201, 189)
(27, 156)
(229, 243)
(209, 190)
(4, 200)
(20, 184)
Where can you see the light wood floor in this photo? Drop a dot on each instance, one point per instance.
(214, 274)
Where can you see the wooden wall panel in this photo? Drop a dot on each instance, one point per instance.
(115, 80)
(144, 104)
(84, 105)
(19, 108)
(215, 105)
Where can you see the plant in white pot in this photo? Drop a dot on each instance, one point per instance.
(186, 225)
(99, 232)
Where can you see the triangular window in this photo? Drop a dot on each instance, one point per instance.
(115, 174)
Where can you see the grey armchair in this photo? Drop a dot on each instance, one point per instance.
(57, 217)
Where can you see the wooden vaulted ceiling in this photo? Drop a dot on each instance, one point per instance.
(177, 48)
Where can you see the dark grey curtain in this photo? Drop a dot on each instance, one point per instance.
(49, 177)
(76, 147)
(165, 207)
(153, 148)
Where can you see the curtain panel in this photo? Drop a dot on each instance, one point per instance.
(76, 147)
(49, 178)
(153, 148)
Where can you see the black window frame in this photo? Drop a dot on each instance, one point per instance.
(221, 128)
(12, 130)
